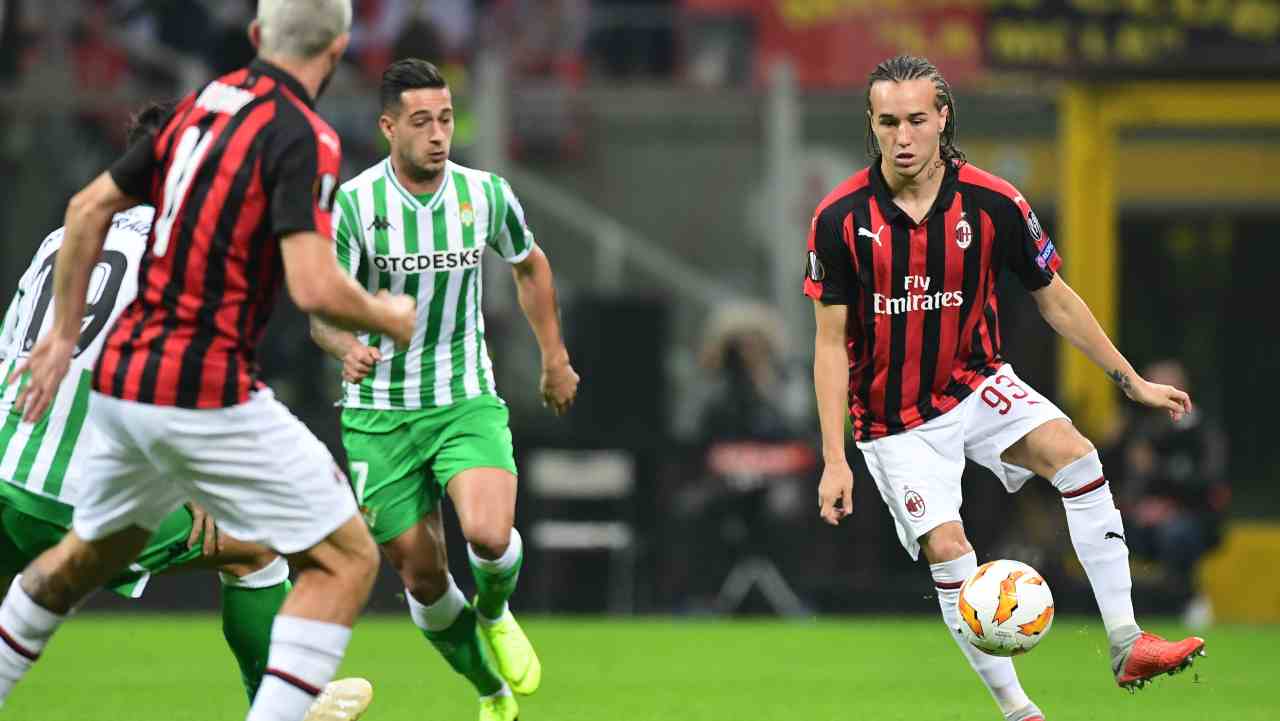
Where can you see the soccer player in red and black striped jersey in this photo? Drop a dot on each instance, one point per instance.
(902, 264)
(242, 178)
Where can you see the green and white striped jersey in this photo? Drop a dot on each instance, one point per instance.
(40, 464)
(429, 248)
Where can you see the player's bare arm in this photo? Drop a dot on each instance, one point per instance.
(536, 290)
(358, 359)
(1067, 313)
(319, 287)
(831, 384)
(88, 218)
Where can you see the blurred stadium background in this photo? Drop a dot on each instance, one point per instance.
(669, 154)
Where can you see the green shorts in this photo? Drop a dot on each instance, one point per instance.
(402, 461)
(24, 536)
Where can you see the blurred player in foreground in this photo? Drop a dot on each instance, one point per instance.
(41, 464)
(902, 265)
(426, 420)
(242, 178)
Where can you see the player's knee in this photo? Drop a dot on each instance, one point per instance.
(427, 584)
(945, 543)
(1068, 446)
(490, 540)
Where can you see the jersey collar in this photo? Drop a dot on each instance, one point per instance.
(435, 200)
(890, 210)
(285, 78)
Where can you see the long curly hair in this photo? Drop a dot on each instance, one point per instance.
(909, 67)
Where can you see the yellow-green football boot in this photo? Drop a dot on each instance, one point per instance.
(517, 661)
(499, 708)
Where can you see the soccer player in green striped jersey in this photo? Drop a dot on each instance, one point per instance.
(425, 420)
(41, 464)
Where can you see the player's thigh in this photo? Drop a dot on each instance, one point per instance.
(419, 553)
(391, 478)
(261, 474)
(918, 475)
(123, 483)
(476, 449)
(1001, 412)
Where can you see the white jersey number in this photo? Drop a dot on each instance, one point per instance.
(190, 152)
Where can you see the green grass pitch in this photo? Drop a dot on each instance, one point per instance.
(176, 668)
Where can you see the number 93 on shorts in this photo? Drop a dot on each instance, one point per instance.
(918, 471)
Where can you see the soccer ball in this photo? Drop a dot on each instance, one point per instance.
(1005, 608)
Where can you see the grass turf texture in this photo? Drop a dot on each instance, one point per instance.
(176, 668)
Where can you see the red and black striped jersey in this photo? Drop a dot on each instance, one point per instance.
(241, 163)
(924, 325)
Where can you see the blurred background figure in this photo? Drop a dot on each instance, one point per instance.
(754, 458)
(1174, 485)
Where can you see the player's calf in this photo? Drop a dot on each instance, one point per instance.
(39, 600)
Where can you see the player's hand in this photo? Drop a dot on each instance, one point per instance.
(359, 362)
(47, 365)
(404, 316)
(202, 525)
(559, 385)
(835, 492)
(1159, 395)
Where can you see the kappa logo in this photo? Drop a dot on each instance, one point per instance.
(964, 233)
(379, 222)
(866, 233)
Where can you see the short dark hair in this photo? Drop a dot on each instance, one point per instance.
(909, 67)
(408, 74)
(148, 120)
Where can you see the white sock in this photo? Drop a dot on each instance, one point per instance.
(1097, 533)
(996, 672)
(272, 574)
(440, 613)
(25, 628)
(496, 566)
(304, 656)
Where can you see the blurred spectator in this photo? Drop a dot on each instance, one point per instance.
(757, 466)
(635, 38)
(1176, 490)
(545, 42)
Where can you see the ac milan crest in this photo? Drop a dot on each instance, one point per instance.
(914, 503)
(964, 233)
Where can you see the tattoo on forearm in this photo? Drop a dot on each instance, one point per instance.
(1120, 379)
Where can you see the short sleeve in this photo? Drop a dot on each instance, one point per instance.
(347, 235)
(509, 232)
(300, 177)
(1028, 250)
(828, 265)
(134, 171)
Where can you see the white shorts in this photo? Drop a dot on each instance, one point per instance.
(254, 467)
(918, 471)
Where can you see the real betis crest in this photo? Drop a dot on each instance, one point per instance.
(467, 214)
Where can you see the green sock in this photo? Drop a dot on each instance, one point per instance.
(247, 615)
(496, 579)
(462, 647)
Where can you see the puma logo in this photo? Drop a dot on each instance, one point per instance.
(866, 233)
(1113, 534)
